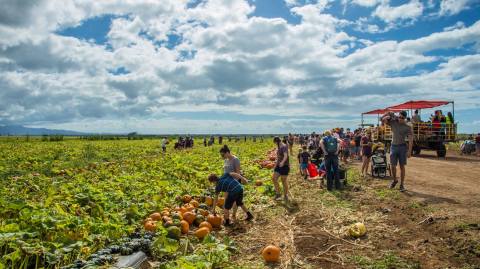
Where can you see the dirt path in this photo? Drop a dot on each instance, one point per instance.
(451, 185)
(435, 224)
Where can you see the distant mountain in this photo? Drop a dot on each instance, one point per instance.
(21, 130)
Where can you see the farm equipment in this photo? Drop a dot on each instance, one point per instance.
(426, 135)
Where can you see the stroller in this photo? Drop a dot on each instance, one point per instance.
(380, 164)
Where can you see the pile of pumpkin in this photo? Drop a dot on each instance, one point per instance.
(269, 163)
(192, 217)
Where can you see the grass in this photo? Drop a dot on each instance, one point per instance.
(387, 194)
(387, 261)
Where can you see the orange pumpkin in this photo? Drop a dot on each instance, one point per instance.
(187, 198)
(271, 253)
(215, 220)
(206, 224)
(189, 217)
(184, 226)
(150, 226)
(156, 216)
(189, 207)
(147, 220)
(202, 232)
(194, 203)
(208, 201)
(220, 202)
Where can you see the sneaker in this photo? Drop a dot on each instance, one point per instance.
(249, 216)
(402, 188)
(393, 184)
(278, 197)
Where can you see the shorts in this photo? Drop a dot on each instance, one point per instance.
(236, 197)
(283, 171)
(164, 149)
(367, 153)
(398, 154)
(303, 166)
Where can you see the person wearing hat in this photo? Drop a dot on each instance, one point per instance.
(282, 168)
(399, 151)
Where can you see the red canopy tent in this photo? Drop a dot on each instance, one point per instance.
(410, 105)
(378, 111)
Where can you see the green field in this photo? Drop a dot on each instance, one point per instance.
(62, 201)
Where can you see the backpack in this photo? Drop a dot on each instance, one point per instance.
(330, 143)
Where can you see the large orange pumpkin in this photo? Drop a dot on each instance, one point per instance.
(187, 198)
(150, 226)
(189, 217)
(202, 232)
(215, 220)
(271, 253)
(185, 226)
(206, 224)
(156, 216)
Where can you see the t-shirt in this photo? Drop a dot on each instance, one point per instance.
(304, 157)
(357, 140)
(400, 131)
(227, 183)
(231, 165)
(164, 143)
(366, 150)
(282, 151)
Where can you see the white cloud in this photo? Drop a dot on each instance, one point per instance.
(366, 3)
(457, 25)
(241, 64)
(452, 7)
(411, 10)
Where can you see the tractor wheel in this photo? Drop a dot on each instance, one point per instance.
(441, 151)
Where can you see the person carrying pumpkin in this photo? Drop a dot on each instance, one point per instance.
(234, 189)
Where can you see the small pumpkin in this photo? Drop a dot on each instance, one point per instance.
(199, 219)
(150, 226)
(185, 227)
(203, 206)
(173, 232)
(165, 213)
(258, 183)
(209, 201)
(271, 253)
(147, 220)
(194, 203)
(215, 220)
(203, 212)
(189, 217)
(165, 219)
(206, 224)
(177, 215)
(220, 202)
(357, 230)
(202, 232)
(186, 198)
(156, 216)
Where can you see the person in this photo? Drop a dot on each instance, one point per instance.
(331, 146)
(290, 141)
(398, 150)
(346, 148)
(366, 144)
(220, 140)
(416, 117)
(449, 124)
(281, 170)
(477, 144)
(204, 141)
(231, 164)
(164, 144)
(234, 194)
(357, 140)
(303, 160)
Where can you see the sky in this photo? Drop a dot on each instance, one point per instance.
(233, 66)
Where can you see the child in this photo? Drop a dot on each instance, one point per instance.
(228, 184)
(300, 160)
(304, 160)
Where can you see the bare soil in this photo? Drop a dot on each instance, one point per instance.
(434, 224)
